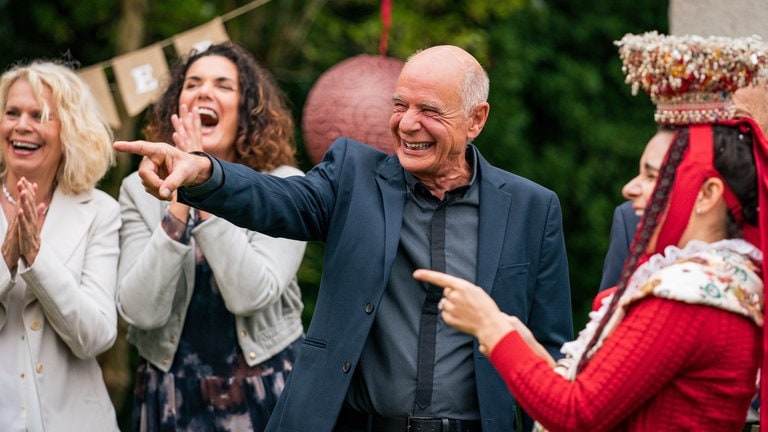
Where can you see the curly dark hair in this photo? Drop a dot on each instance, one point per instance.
(733, 159)
(265, 129)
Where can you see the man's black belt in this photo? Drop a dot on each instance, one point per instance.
(357, 420)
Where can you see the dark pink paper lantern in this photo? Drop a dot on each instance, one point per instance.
(351, 99)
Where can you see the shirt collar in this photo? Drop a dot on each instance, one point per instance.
(418, 188)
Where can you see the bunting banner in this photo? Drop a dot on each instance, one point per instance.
(96, 79)
(141, 75)
(200, 38)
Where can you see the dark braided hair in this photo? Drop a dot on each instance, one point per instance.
(733, 159)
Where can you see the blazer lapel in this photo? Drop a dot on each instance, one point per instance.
(64, 227)
(495, 205)
(66, 223)
(392, 187)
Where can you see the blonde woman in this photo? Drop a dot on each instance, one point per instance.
(60, 246)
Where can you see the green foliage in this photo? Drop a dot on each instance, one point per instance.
(53, 29)
(560, 111)
(168, 18)
(561, 114)
(309, 276)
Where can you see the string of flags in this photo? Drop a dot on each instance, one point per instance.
(140, 74)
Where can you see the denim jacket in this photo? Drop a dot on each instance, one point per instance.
(256, 275)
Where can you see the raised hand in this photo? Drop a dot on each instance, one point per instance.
(468, 308)
(30, 220)
(10, 248)
(188, 136)
(165, 168)
(188, 130)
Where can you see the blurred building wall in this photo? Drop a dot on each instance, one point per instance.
(732, 18)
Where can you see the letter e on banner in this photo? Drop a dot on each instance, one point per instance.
(143, 79)
(140, 77)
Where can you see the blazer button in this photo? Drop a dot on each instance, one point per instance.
(165, 361)
(36, 325)
(39, 368)
(368, 308)
(252, 356)
(173, 339)
(346, 367)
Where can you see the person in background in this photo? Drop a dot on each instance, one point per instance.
(214, 310)
(678, 345)
(375, 356)
(623, 227)
(60, 250)
(627, 215)
(752, 101)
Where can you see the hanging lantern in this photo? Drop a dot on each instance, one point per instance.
(351, 99)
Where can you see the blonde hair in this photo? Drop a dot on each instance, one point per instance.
(86, 137)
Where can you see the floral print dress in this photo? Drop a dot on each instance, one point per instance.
(209, 387)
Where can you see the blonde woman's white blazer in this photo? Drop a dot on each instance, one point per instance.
(69, 314)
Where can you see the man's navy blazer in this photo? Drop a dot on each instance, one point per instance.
(622, 232)
(353, 201)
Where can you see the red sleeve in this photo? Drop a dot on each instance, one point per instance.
(643, 354)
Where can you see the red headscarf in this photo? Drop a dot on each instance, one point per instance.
(696, 167)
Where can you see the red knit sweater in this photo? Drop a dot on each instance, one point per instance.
(668, 366)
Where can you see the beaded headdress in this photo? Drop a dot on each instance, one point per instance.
(690, 78)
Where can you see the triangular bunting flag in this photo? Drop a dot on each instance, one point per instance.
(200, 38)
(140, 77)
(97, 81)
